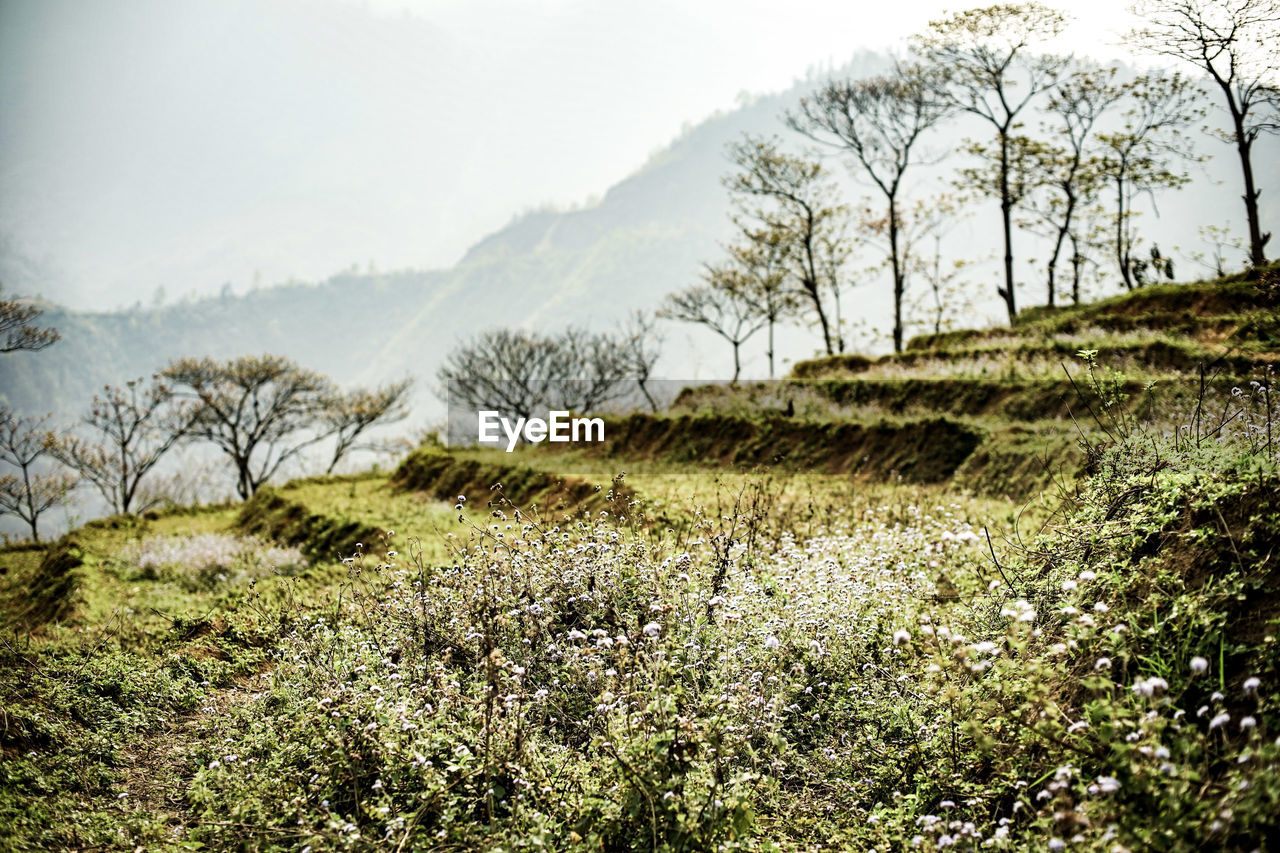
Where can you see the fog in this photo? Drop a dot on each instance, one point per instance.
(152, 149)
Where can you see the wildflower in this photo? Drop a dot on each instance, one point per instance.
(901, 637)
(1150, 686)
(771, 642)
(1220, 720)
(1105, 663)
(1251, 684)
(1199, 665)
(1108, 784)
(1247, 723)
(1056, 844)
(652, 629)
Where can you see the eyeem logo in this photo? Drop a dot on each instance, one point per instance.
(559, 427)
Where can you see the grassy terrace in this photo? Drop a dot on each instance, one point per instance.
(772, 632)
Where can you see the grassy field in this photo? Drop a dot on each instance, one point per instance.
(1041, 635)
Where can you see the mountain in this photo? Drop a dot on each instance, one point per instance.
(646, 237)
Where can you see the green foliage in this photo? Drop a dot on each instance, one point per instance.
(270, 514)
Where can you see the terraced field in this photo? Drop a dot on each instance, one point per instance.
(960, 597)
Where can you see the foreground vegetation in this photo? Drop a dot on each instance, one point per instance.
(619, 678)
(837, 613)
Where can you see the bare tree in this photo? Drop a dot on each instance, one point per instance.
(525, 373)
(17, 331)
(592, 369)
(925, 224)
(1219, 240)
(993, 75)
(259, 410)
(789, 196)
(1069, 172)
(28, 494)
(880, 120)
(349, 415)
(1139, 157)
(1237, 43)
(641, 344)
(506, 369)
(760, 260)
(1011, 172)
(138, 424)
(722, 305)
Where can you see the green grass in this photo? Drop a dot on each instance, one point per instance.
(913, 615)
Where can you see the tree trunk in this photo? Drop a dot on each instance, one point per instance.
(1077, 263)
(899, 285)
(1257, 240)
(1122, 242)
(653, 404)
(811, 285)
(811, 288)
(1063, 230)
(770, 347)
(245, 485)
(1006, 212)
(737, 365)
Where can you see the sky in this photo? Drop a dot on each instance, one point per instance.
(155, 148)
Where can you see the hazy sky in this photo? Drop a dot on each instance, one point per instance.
(187, 143)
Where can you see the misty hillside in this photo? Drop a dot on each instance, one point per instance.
(646, 237)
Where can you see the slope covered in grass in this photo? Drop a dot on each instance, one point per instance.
(774, 631)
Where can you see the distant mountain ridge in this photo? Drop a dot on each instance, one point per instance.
(647, 236)
(644, 238)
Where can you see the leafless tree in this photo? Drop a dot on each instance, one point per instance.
(1141, 156)
(504, 369)
(592, 370)
(17, 331)
(880, 120)
(28, 493)
(136, 425)
(349, 415)
(786, 195)
(722, 304)
(641, 343)
(1070, 173)
(760, 260)
(1237, 43)
(525, 373)
(259, 410)
(992, 74)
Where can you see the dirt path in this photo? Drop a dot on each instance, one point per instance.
(158, 767)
